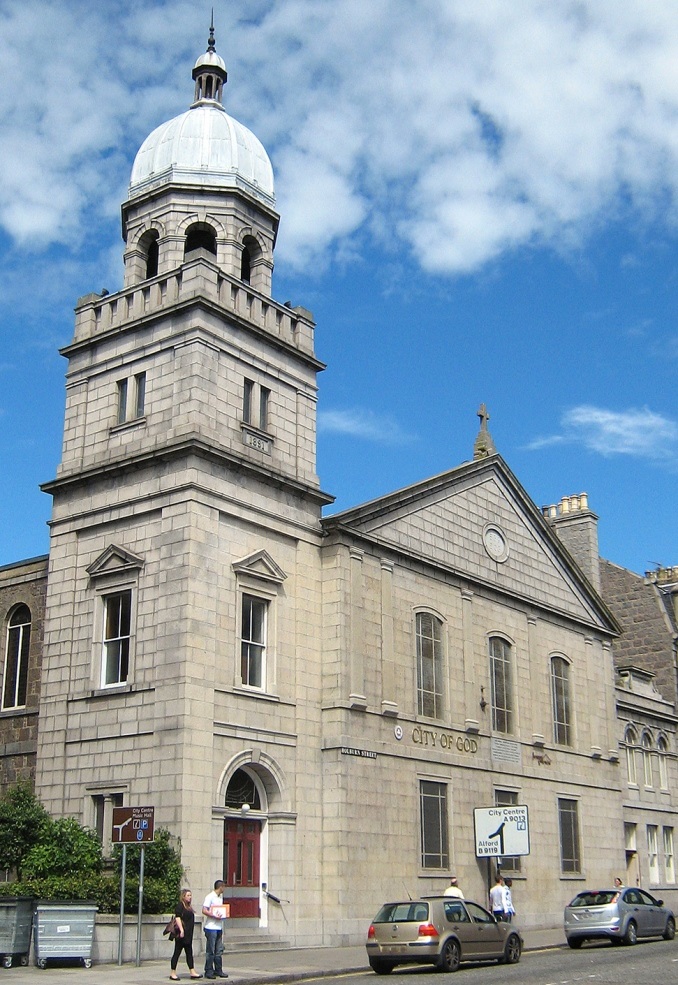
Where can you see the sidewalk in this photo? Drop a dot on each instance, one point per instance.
(244, 967)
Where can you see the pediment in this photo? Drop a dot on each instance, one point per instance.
(457, 522)
(113, 561)
(260, 565)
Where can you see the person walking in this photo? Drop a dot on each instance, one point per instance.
(213, 925)
(508, 900)
(185, 920)
(498, 898)
(453, 889)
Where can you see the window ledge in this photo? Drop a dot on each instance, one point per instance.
(130, 425)
(17, 712)
(252, 692)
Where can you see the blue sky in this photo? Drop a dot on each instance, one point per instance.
(478, 204)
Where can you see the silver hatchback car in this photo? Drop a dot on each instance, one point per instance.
(439, 930)
(619, 915)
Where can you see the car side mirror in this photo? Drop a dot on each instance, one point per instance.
(660, 902)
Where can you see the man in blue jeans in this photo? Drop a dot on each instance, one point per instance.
(213, 925)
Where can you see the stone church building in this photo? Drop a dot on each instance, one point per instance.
(314, 703)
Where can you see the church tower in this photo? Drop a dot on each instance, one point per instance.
(186, 513)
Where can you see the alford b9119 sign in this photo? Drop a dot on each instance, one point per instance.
(501, 831)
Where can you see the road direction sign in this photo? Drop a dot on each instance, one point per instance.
(133, 825)
(501, 831)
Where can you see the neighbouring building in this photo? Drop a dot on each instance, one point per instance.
(314, 704)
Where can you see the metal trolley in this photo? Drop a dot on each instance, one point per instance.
(64, 930)
(16, 922)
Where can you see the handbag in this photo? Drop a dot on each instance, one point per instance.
(171, 929)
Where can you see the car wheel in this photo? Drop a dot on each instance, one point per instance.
(381, 967)
(631, 935)
(669, 929)
(450, 956)
(575, 942)
(512, 950)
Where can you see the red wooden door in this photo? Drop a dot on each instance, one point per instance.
(241, 866)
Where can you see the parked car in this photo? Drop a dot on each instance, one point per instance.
(439, 930)
(620, 915)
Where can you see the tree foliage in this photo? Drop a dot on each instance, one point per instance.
(65, 847)
(22, 821)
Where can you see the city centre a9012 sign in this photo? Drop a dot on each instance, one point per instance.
(501, 831)
(133, 825)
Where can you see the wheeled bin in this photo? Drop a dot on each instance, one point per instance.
(16, 921)
(63, 929)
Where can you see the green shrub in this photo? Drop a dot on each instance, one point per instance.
(22, 820)
(65, 847)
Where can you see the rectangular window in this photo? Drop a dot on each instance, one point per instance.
(669, 861)
(429, 665)
(508, 798)
(560, 699)
(248, 393)
(501, 685)
(652, 853)
(253, 641)
(116, 642)
(15, 684)
(122, 401)
(140, 394)
(433, 812)
(264, 395)
(568, 819)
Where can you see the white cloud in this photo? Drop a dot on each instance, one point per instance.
(459, 129)
(363, 424)
(640, 433)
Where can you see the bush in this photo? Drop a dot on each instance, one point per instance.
(65, 848)
(22, 820)
(161, 860)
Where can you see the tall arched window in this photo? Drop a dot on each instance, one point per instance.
(15, 684)
(631, 741)
(429, 631)
(647, 759)
(245, 265)
(561, 701)
(501, 685)
(663, 751)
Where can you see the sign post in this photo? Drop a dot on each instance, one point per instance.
(132, 826)
(501, 831)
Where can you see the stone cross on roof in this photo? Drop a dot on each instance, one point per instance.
(484, 445)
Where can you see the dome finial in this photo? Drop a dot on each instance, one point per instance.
(484, 445)
(209, 73)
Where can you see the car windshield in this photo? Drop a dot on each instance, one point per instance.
(410, 912)
(595, 898)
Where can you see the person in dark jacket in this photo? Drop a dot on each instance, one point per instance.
(185, 917)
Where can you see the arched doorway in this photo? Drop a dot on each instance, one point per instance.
(242, 844)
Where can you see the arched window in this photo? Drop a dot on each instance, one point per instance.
(148, 244)
(15, 683)
(200, 236)
(561, 701)
(429, 632)
(647, 759)
(242, 790)
(631, 741)
(245, 265)
(663, 751)
(501, 685)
